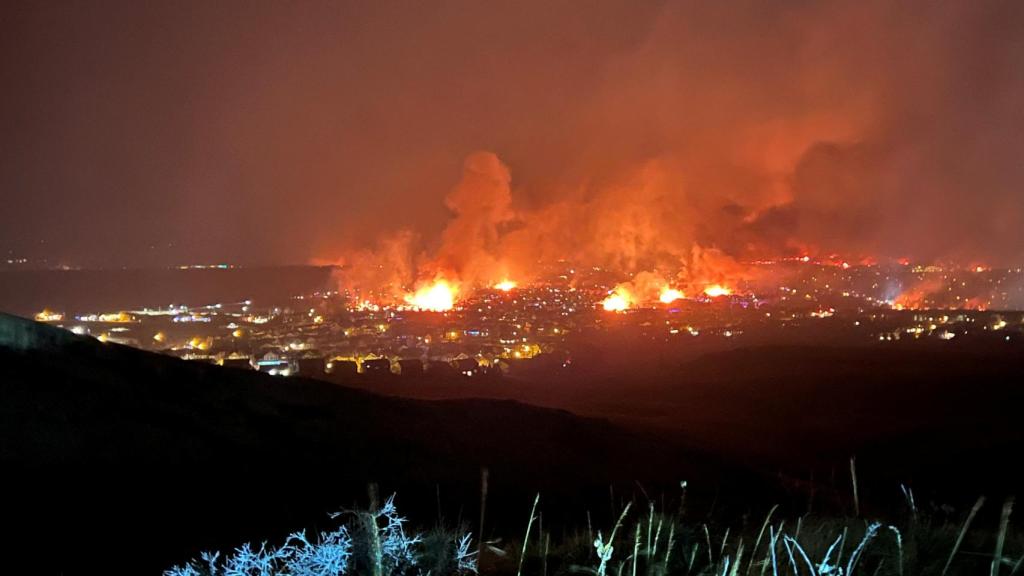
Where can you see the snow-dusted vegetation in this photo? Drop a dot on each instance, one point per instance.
(373, 543)
(647, 541)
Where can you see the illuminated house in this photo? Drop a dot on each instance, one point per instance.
(410, 367)
(343, 367)
(377, 366)
(274, 365)
(242, 363)
(440, 368)
(466, 366)
(312, 367)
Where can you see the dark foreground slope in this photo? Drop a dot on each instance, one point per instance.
(113, 452)
(945, 418)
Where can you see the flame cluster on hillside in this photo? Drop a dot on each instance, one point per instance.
(655, 249)
(437, 296)
(488, 243)
(625, 296)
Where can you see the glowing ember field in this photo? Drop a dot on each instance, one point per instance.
(797, 281)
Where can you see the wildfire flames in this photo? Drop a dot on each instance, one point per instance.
(436, 297)
(716, 290)
(487, 242)
(616, 302)
(669, 295)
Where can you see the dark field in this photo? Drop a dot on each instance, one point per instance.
(942, 415)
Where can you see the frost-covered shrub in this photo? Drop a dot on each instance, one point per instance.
(372, 542)
(444, 552)
(382, 546)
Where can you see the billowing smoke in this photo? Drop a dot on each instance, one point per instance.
(633, 130)
(480, 204)
(381, 273)
(635, 228)
(713, 134)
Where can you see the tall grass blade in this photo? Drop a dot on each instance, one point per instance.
(605, 549)
(908, 494)
(1004, 521)
(707, 537)
(853, 478)
(739, 558)
(789, 553)
(899, 547)
(842, 545)
(775, 564)
(725, 540)
(668, 547)
(1016, 565)
(855, 556)
(760, 534)
(526, 539)
(636, 545)
(803, 554)
(484, 473)
(547, 548)
(963, 530)
(650, 525)
(824, 567)
(654, 547)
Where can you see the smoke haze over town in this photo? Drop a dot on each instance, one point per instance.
(472, 140)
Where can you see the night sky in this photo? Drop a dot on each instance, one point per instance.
(139, 134)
